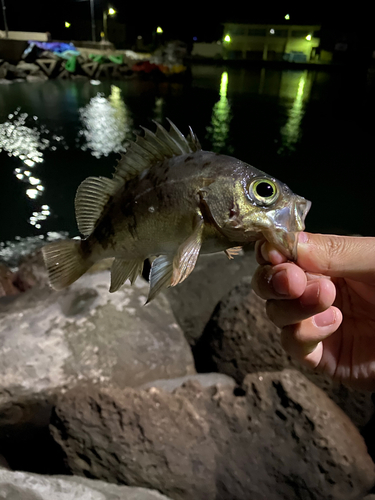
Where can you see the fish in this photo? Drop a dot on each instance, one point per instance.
(170, 201)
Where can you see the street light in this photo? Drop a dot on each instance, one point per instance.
(108, 11)
(5, 19)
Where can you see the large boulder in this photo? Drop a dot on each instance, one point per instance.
(53, 341)
(213, 277)
(26, 486)
(279, 437)
(240, 339)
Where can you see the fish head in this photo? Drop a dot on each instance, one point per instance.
(264, 207)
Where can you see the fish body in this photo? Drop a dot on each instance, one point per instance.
(170, 200)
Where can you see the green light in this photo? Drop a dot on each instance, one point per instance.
(67, 25)
(159, 30)
(287, 17)
(308, 37)
(227, 38)
(224, 84)
(111, 11)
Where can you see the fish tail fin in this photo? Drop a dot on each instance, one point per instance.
(65, 263)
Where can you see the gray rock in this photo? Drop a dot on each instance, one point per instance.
(28, 67)
(52, 341)
(213, 277)
(4, 81)
(281, 438)
(26, 486)
(40, 77)
(205, 380)
(240, 339)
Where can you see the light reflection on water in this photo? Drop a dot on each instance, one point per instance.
(297, 87)
(27, 143)
(218, 130)
(107, 124)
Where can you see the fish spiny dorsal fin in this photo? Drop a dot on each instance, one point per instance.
(193, 141)
(152, 148)
(91, 198)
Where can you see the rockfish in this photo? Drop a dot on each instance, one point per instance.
(171, 200)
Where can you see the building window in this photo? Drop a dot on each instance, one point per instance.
(256, 32)
(237, 31)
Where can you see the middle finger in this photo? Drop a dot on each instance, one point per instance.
(317, 297)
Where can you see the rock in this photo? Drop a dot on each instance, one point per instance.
(28, 67)
(7, 279)
(240, 339)
(52, 341)
(26, 486)
(205, 380)
(213, 277)
(280, 438)
(37, 77)
(31, 271)
(4, 81)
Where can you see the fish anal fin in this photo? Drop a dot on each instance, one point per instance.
(122, 270)
(160, 275)
(187, 254)
(232, 252)
(91, 198)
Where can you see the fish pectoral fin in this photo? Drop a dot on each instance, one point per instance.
(187, 254)
(232, 252)
(122, 270)
(160, 275)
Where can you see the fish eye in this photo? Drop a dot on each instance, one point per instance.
(263, 191)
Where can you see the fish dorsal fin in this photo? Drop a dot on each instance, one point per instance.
(152, 148)
(91, 198)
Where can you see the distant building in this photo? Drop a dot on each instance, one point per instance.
(271, 42)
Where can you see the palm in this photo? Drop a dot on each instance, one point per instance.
(349, 353)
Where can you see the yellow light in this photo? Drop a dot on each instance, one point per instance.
(308, 37)
(287, 17)
(67, 25)
(159, 30)
(111, 11)
(227, 38)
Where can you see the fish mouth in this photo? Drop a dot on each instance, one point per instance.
(287, 223)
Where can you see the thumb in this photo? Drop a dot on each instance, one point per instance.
(337, 256)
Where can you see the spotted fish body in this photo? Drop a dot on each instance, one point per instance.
(170, 200)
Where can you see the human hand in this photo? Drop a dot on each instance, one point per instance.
(324, 304)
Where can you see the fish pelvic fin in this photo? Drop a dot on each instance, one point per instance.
(153, 148)
(187, 254)
(160, 275)
(232, 252)
(65, 263)
(122, 270)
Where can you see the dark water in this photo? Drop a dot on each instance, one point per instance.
(311, 129)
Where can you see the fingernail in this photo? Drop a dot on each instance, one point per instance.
(280, 283)
(302, 237)
(310, 296)
(325, 318)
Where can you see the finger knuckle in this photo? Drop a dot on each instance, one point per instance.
(334, 249)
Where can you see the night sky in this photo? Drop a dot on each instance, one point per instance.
(182, 20)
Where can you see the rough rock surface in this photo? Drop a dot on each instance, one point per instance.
(282, 438)
(52, 341)
(240, 339)
(7, 279)
(205, 380)
(213, 277)
(26, 486)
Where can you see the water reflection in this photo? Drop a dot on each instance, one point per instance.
(295, 86)
(218, 130)
(26, 142)
(107, 123)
